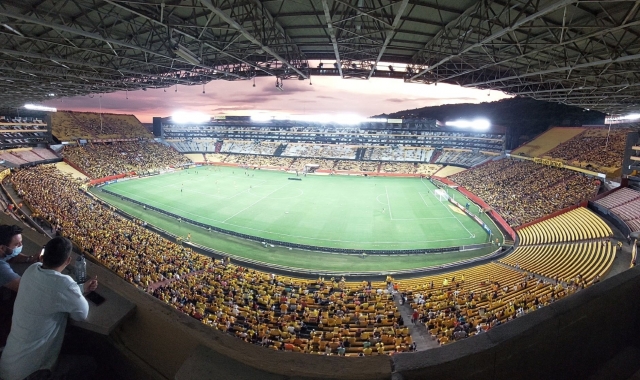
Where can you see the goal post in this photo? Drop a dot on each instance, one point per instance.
(441, 195)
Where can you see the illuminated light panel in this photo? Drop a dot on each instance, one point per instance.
(477, 124)
(35, 107)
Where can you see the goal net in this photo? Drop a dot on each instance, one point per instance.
(441, 195)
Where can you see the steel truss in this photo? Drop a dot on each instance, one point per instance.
(584, 53)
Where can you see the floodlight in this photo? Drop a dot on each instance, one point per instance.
(633, 116)
(181, 117)
(478, 124)
(35, 107)
(186, 54)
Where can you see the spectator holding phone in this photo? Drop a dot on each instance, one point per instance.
(45, 299)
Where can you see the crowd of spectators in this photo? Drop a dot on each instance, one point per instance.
(588, 148)
(398, 153)
(249, 147)
(259, 161)
(330, 317)
(321, 151)
(321, 317)
(68, 126)
(456, 305)
(398, 167)
(522, 191)
(463, 158)
(100, 160)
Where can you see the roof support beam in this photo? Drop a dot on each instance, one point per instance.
(546, 48)
(79, 32)
(176, 30)
(554, 6)
(390, 33)
(332, 34)
(559, 69)
(209, 5)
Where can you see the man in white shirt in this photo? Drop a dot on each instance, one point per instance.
(45, 298)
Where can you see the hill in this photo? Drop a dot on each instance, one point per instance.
(523, 117)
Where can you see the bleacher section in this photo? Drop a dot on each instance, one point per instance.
(490, 294)
(625, 204)
(418, 133)
(27, 156)
(465, 158)
(320, 151)
(569, 246)
(71, 126)
(22, 131)
(578, 224)
(522, 191)
(192, 146)
(547, 141)
(398, 153)
(100, 160)
(588, 148)
(448, 171)
(250, 147)
(428, 169)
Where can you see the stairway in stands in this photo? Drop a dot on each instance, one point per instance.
(279, 150)
(435, 156)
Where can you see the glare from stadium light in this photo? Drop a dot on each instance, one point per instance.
(182, 117)
(346, 119)
(261, 118)
(35, 107)
(478, 124)
(633, 116)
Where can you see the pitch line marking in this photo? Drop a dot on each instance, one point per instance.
(471, 235)
(168, 206)
(388, 202)
(254, 203)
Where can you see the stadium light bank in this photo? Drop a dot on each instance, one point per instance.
(346, 119)
(35, 107)
(477, 124)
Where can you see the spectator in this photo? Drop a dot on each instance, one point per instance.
(11, 251)
(44, 301)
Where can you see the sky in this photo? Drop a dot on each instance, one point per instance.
(326, 95)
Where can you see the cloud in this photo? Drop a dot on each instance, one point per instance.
(328, 94)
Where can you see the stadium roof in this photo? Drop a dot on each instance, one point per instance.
(584, 53)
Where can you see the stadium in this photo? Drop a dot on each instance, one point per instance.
(439, 242)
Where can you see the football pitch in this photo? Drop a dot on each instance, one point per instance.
(352, 212)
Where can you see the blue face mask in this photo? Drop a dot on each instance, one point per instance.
(10, 253)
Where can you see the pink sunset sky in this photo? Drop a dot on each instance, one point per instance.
(326, 95)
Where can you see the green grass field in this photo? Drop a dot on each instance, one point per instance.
(330, 211)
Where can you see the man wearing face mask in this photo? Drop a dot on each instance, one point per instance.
(11, 252)
(11, 241)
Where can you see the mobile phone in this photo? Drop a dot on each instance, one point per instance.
(95, 298)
